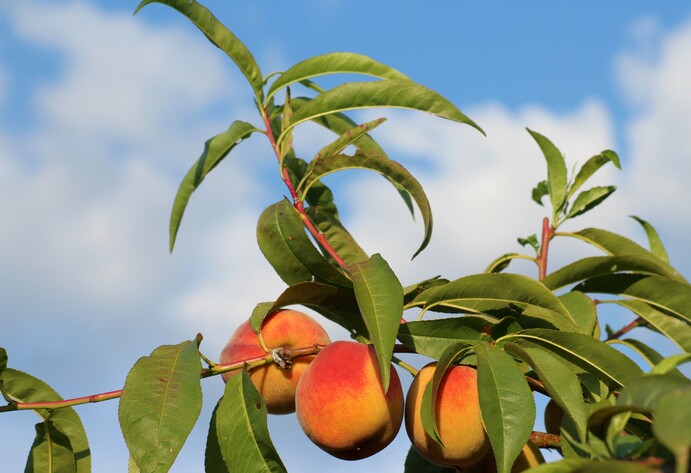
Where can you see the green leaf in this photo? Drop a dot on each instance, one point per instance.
(539, 191)
(23, 387)
(348, 138)
(582, 465)
(530, 241)
(651, 356)
(285, 245)
(334, 63)
(324, 165)
(380, 298)
(618, 245)
(416, 463)
(390, 93)
(582, 309)
(604, 265)
(3, 359)
(592, 355)
(160, 403)
(241, 429)
(132, 466)
(589, 199)
(656, 246)
(433, 337)
(215, 149)
(672, 425)
(646, 392)
(286, 117)
(220, 36)
(676, 330)
(667, 294)
(559, 381)
(668, 365)
(556, 170)
(501, 263)
(412, 291)
(506, 403)
(51, 451)
(523, 297)
(590, 167)
(336, 304)
(213, 458)
(335, 233)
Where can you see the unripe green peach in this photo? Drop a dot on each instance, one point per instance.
(341, 404)
(458, 418)
(283, 328)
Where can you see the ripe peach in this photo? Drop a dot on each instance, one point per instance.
(529, 457)
(283, 328)
(458, 418)
(341, 404)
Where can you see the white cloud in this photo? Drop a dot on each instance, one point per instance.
(659, 142)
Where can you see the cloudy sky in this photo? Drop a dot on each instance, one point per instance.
(102, 113)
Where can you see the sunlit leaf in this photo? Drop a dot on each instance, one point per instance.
(672, 424)
(668, 365)
(590, 167)
(380, 299)
(656, 246)
(240, 432)
(411, 292)
(523, 297)
(335, 303)
(618, 245)
(220, 36)
(556, 170)
(506, 403)
(23, 387)
(285, 245)
(348, 138)
(560, 382)
(667, 294)
(593, 266)
(215, 149)
(324, 165)
(336, 234)
(432, 337)
(539, 191)
(160, 403)
(651, 356)
(679, 331)
(589, 199)
(592, 355)
(3, 359)
(334, 63)
(389, 93)
(582, 309)
(51, 451)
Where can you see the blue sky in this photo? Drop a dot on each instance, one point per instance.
(102, 113)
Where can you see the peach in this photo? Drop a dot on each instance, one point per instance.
(529, 457)
(283, 328)
(458, 417)
(341, 404)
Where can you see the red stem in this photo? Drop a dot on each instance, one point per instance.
(297, 203)
(547, 233)
(635, 323)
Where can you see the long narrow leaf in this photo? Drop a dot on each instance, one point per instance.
(390, 93)
(667, 294)
(220, 36)
(160, 403)
(380, 298)
(324, 165)
(590, 167)
(656, 246)
(592, 355)
(506, 403)
(530, 301)
(679, 331)
(51, 451)
(215, 149)
(589, 199)
(556, 170)
(594, 266)
(241, 431)
(334, 63)
(618, 245)
(432, 337)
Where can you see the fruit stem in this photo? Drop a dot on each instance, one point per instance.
(297, 203)
(536, 385)
(213, 370)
